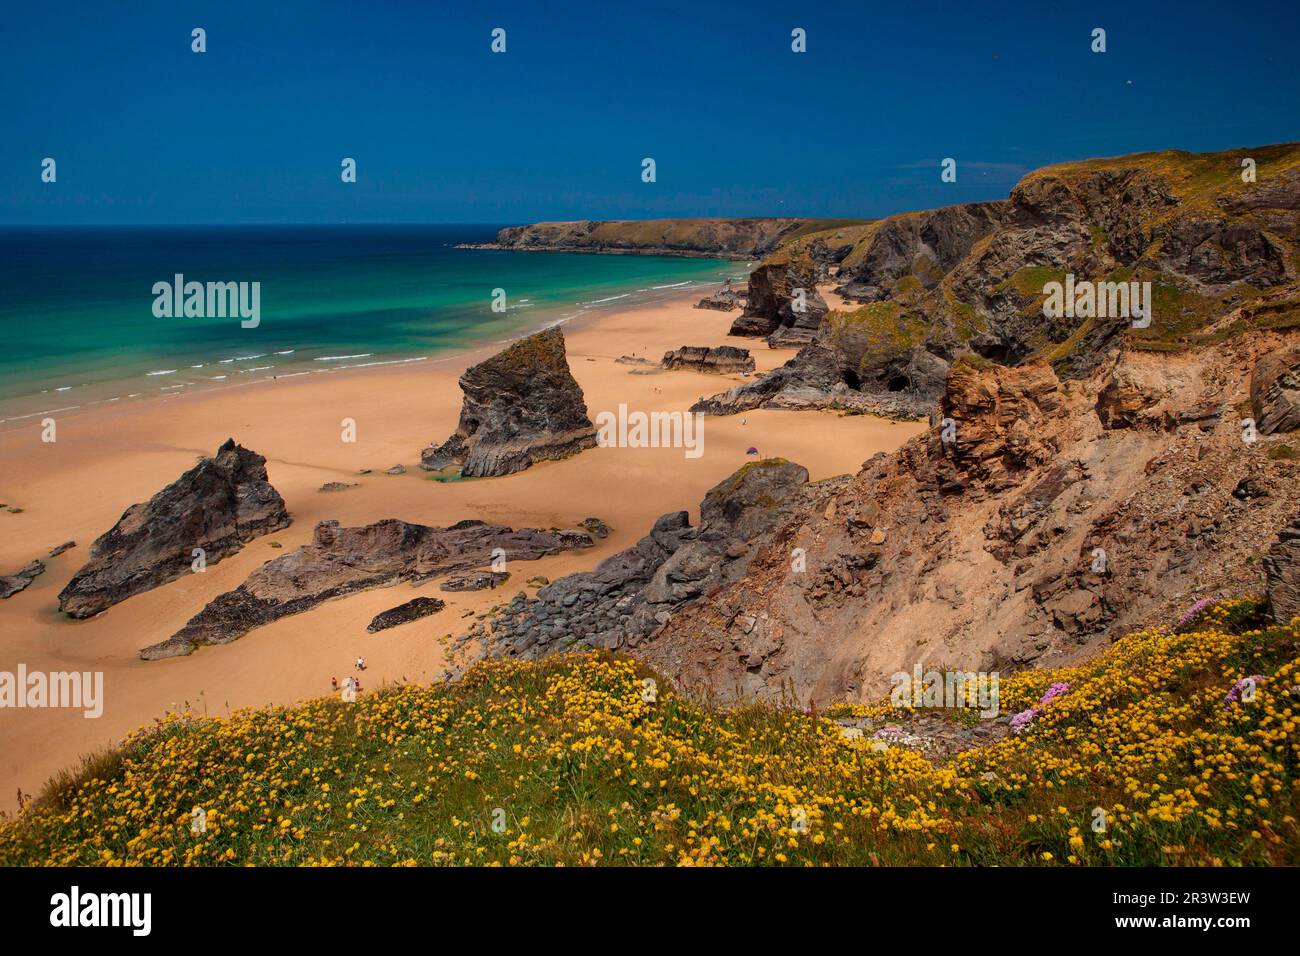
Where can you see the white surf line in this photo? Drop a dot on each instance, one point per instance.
(339, 368)
(52, 411)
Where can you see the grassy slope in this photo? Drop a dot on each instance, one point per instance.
(1197, 179)
(585, 771)
(1183, 316)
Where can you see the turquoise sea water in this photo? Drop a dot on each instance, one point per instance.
(78, 323)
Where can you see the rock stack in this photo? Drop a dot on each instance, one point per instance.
(521, 406)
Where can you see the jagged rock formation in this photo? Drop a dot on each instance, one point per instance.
(11, 584)
(723, 359)
(1083, 475)
(475, 581)
(856, 362)
(724, 300)
(412, 610)
(935, 283)
(637, 591)
(783, 305)
(718, 238)
(521, 406)
(342, 561)
(915, 249)
(1034, 518)
(1275, 391)
(1282, 570)
(217, 506)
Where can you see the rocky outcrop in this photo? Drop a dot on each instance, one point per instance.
(993, 428)
(214, 508)
(845, 367)
(475, 581)
(718, 238)
(1275, 391)
(330, 486)
(783, 305)
(11, 584)
(342, 561)
(973, 277)
(1282, 574)
(637, 591)
(722, 359)
(1019, 530)
(920, 246)
(724, 300)
(412, 610)
(521, 406)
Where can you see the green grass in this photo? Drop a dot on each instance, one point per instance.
(574, 761)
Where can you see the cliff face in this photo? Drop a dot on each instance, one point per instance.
(932, 284)
(723, 238)
(1083, 474)
(1036, 517)
(720, 238)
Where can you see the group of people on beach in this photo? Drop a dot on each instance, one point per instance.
(354, 683)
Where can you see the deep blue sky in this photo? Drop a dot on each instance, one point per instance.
(145, 131)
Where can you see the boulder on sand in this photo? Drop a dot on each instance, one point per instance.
(412, 610)
(11, 584)
(724, 359)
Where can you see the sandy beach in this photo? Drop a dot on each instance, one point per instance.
(111, 456)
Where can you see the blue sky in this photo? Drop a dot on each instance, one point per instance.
(254, 130)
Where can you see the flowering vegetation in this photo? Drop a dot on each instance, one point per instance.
(1023, 719)
(1130, 759)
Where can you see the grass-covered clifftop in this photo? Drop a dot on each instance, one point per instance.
(575, 764)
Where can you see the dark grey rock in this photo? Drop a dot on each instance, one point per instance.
(13, 583)
(218, 505)
(521, 406)
(342, 561)
(412, 610)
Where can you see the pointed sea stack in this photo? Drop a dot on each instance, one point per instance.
(218, 505)
(521, 406)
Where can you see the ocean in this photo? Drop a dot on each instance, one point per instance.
(77, 306)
